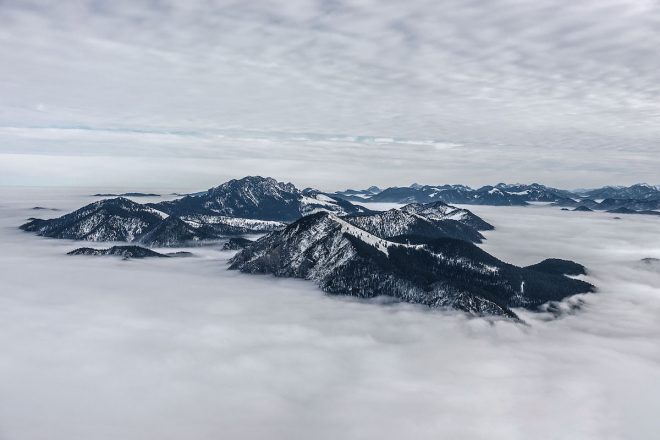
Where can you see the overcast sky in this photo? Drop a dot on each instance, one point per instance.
(329, 93)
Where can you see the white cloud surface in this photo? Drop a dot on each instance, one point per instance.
(103, 348)
(528, 90)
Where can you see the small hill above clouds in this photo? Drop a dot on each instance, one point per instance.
(122, 251)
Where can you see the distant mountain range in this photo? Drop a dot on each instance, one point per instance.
(631, 206)
(639, 198)
(422, 253)
(640, 191)
(500, 194)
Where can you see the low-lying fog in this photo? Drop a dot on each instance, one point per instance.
(101, 348)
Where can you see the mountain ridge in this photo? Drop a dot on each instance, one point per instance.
(638, 197)
(222, 211)
(342, 258)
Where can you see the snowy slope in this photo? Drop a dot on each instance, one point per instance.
(345, 259)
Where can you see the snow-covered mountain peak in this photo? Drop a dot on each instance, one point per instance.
(261, 198)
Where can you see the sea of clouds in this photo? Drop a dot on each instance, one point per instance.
(102, 348)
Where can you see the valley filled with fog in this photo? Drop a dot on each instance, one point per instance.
(105, 348)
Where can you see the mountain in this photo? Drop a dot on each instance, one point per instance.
(487, 195)
(396, 222)
(121, 219)
(504, 194)
(556, 266)
(624, 206)
(634, 205)
(639, 191)
(315, 201)
(246, 206)
(173, 231)
(223, 225)
(260, 198)
(589, 203)
(433, 220)
(536, 192)
(490, 195)
(640, 197)
(583, 208)
(122, 251)
(358, 195)
(118, 219)
(236, 243)
(344, 259)
(425, 194)
(442, 211)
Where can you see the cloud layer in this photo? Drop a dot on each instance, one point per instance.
(103, 348)
(549, 86)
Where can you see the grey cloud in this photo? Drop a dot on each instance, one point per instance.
(505, 77)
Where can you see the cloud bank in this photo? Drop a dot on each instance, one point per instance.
(545, 90)
(103, 348)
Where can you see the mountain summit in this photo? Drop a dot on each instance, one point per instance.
(262, 198)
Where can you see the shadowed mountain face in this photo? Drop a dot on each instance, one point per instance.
(236, 243)
(173, 231)
(344, 259)
(558, 266)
